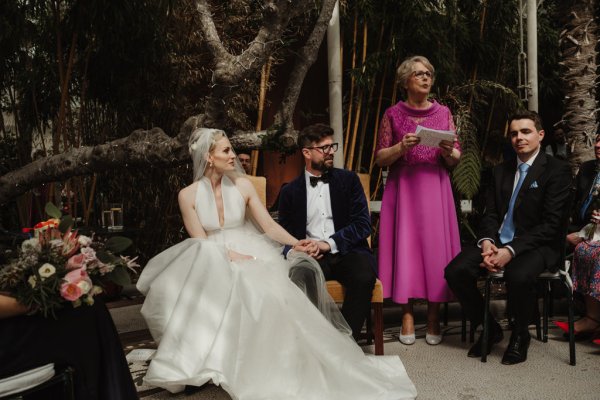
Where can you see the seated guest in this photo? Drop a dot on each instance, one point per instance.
(587, 179)
(586, 256)
(246, 161)
(586, 281)
(84, 338)
(521, 234)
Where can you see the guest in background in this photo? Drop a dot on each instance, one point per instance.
(586, 256)
(521, 234)
(587, 178)
(84, 338)
(418, 227)
(246, 161)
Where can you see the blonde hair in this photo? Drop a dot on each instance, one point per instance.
(405, 70)
(201, 143)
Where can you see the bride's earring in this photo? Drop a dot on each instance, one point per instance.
(210, 164)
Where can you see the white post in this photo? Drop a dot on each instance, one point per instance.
(532, 50)
(335, 84)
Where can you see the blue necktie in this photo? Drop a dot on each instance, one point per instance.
(590, 197)
(508, 229)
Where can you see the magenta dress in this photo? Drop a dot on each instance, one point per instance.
(418, 233)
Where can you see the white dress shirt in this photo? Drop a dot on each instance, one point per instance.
(319, 217)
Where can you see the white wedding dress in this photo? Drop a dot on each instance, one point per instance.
(245, 326)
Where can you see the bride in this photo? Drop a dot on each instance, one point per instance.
(222, 308)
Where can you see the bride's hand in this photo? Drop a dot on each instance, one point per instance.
(235, 256)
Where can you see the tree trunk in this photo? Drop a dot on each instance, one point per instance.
(578, 42)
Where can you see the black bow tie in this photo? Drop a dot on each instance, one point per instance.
(314, 179)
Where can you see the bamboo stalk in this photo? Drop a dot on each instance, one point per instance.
(351, 98)
(363, 131)
(350, 155)
(86, 218)
(377, 119)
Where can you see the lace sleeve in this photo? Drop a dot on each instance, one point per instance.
(384, 137)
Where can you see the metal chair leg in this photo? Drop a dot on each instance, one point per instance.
(486, 322)
(545, 311)
(572, 360)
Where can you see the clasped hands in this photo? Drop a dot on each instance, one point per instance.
(314, 248)
(494, 258)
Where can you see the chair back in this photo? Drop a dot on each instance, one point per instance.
(260, 185)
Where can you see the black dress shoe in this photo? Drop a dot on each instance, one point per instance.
(495, 336)
(516, 352)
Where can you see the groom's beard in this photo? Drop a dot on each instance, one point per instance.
(324, 165)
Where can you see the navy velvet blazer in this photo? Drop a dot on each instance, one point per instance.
(351, 217)
(541, 208)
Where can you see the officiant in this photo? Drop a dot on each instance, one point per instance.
(418, 226)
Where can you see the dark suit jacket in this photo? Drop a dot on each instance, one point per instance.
(351, 217)
(583, 184)
(541, 208)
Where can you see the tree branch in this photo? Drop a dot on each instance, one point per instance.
(304, 60)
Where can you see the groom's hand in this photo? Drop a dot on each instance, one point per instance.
(307, 246)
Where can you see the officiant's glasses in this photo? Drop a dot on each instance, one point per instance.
(422, 74)
(333, 147)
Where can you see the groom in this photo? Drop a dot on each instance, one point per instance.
(328, 205)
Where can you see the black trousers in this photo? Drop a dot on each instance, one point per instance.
(519, 274)
(355, 271)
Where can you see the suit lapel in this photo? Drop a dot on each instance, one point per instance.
(335, 193)
(507, 181)
(301, 215)
(538, 167)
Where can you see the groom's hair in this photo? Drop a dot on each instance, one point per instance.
(527, 114)
(313, 134)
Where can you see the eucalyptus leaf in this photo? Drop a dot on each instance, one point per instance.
(105, 257)
(65, 223)
(119, 276)
(52, 210)
(118, 244)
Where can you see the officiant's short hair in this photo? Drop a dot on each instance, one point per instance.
(313, 134)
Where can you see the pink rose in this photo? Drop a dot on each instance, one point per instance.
(76, 262)
(70, 291)
(79, 278)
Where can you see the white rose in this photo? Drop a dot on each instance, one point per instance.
(95, 290)
(46, 270)
(84, 285)
(32, 281)
(84, 240)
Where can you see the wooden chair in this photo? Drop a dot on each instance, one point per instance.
(260, 184)
(336, 291)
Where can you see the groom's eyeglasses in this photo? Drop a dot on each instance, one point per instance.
(328, 148)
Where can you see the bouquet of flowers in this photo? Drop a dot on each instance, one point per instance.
(58, 266)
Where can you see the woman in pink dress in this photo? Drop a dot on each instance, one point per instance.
(418, 230)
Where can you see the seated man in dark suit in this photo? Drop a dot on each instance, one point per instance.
(522, 233)
(328, 205)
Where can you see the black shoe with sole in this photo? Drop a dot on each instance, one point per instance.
(495, 336)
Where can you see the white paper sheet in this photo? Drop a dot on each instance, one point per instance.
(140, 355)
(433, 137)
